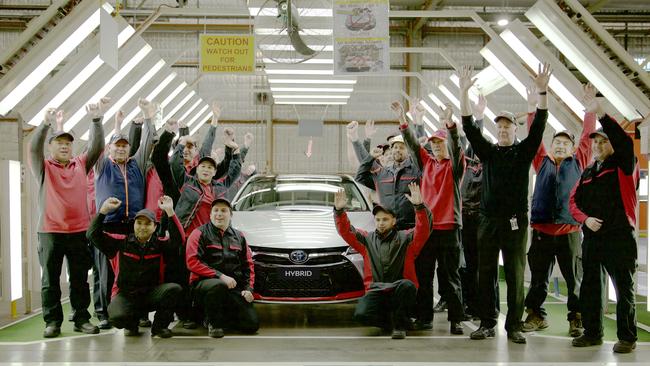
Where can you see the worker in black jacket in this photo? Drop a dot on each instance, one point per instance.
(389, 262)
(138, 261)
(503, 220)
(604, 201)
(222, 273)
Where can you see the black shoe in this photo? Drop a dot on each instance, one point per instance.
(440, 307)
(624, 347)
(422, 325)
(516, 336)
(131, 332)
(585, 341)
(455, 328)
(162, 332)
(215, 332)
(86, 327)
(144, 323)
(398, 334)
(71, 317)
(482, 333)
(51, 331)
(189, 324)
(104, 324)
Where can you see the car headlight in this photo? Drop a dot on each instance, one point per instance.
(350, 251)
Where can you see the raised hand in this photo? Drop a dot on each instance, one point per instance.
(119, 118)
(415, 197)
(166, 204)
(50, 116)
(182, 124)
(104, 105)
(139, 120)
(59, 120)
(370, 128)
(588, 91)
(228, 135)
(171, 125)
(249, 170)
(479, 107)
(447, 113)
(353, 131)
(148, 108)
(398, 110)
(376, 152)
(543, 76)
(93, 110)
(465, 80)
(109, 205)
(531, 98)
(590, 101)
(340, 199)
(216, 112)
(248, 139)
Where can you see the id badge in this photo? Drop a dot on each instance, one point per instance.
(513, 223)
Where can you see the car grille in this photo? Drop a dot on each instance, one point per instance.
(336, 275)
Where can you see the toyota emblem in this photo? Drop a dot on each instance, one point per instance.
(298, 256)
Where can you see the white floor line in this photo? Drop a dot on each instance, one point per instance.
(58, 339)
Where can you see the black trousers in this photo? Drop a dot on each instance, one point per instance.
(387, 308)
(443, 247)
(125, 309)
(226, 308)
(544, 251)
(469, 273)
(494, 235)
(615, 253)
(103, 279)
(52, 248)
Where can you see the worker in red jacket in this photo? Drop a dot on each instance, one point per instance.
(388, 262)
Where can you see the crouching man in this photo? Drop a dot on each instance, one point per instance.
(389, 262)
(222, 273)
(138, 261)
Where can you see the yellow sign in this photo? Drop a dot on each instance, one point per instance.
(227, 54)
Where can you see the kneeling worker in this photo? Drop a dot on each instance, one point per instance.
(222, 273)
(389, 262)
(138, 261)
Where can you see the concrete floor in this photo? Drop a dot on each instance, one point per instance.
(321, 334)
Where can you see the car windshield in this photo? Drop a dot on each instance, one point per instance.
(267, 193)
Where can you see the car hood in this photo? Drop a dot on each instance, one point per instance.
(291, 228)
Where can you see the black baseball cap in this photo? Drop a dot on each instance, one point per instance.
(118, 137)
(379, 208)
(58, 134)
(208, 159)
(146, 213)
(567, 134)
(598, 132)
(221, 200)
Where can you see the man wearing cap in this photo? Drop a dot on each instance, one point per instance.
(503, 219)
(555, 233)
(389, 262)
(442, 173)
(604, 201)
(64, 217)
(138, 260)
(391, 181)
(222, 273)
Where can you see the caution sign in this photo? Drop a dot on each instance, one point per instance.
(227, 54)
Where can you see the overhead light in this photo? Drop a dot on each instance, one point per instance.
(436, 100)
(489, 80)
(299, 72)
(288, 47)
(503, 22)
(592, 62)
(304, 12)
(302, 32)
(173, 95)
(528, 47)
(429, 123)
(313, 102)
(322, 61)
(452, 98)
(473, 96)
(13, 95)
(309, 96)
(199, 125)
(197, 115)
(192, 108)
(106, 88)
(430, 110)
(151, 96)
(178, 106)
(311, 81)
(341, 90)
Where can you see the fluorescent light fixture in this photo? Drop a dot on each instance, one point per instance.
(503, 22)
(591, 61)
(173, 95)
(129, 117)
(302, 32)
(15, 230)
(190, 110)
(452, 98)
(28, 83)
(106, 88)
(436, 100)
(311, 81)
(322, 61)
(178, 106)
(429, 123)
(304, 12)
(489, 80)
(78, 79)
(308, 96)
(198, 114)
(341, 90)
(199, 125)
(288, 47)
(473, 96)
(430, 110)
(299, 72)
(314, 102)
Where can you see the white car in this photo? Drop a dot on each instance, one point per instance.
(289, 225)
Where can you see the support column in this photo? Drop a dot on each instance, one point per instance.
(269, 140)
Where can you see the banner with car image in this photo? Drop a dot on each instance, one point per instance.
(361, 39)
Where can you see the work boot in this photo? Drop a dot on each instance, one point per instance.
(455, 328)
(190, 324)
(422, 325)
(86, 327)
(215, 332)
(482, 333)
(144, 323)
(161, 332)
(132, 332)
(575, 326)
(104, 324)
(398, 334)
(52, 331)
(440, 307)
(517, 336)
(624, 346)
(586, 341)
(534, 322)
